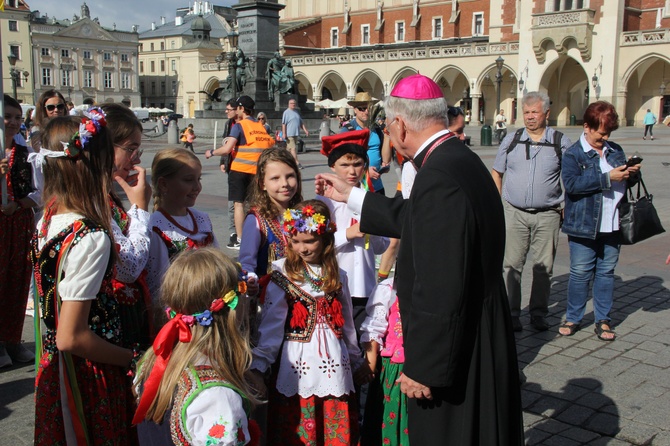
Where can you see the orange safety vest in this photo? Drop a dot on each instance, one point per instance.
(246, 156)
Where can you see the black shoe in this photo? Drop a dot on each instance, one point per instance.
(516, 324)
(234, 243)
(539, 323)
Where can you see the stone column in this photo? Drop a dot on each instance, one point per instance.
(258, 37)
(621, 97)
(474, 119)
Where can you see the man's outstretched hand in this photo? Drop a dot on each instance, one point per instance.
(331, 186)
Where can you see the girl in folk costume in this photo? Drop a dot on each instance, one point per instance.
(386, 407)
(191, 385)
(82, 392)
(130, 228)
(16, 229)
(175, 225)
(308, 329)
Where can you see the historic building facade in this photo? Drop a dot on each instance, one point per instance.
(181, 58)
(84, 60)
(15, 29)
(577, 51)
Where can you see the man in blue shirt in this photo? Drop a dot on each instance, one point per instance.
(291, 123)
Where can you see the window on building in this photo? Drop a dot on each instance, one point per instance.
(152, 46)
(46, 76)
(334, 33)
(142, 88)
(174, 88)
(141, 47)
(106, 55)
(141, 66)
(125, 81)
(162, 46)
(153, 87)
(15, 50)
(64, 52)
(399, 31)
(66, 78)
(173, 65)
(162, 66)
(87, 54)
(124, 58)
(163, 87)
(365, 34)
(153, 66)
(567, 5)
(88, 79)
(46, 51)
(108, 79)
(478, 24)
(437, 27)
(173, 44)
(13, 25)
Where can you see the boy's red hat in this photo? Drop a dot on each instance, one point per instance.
(356, 142)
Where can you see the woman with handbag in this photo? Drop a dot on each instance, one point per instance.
(595, 177)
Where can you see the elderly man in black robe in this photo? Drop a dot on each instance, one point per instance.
(460, 374)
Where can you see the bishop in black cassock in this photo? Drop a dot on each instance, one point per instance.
(460, 374)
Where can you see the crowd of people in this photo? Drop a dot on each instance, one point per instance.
(151, 335)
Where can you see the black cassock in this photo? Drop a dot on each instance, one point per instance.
(457, 330)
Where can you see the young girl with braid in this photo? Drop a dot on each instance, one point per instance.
(191, 384)
(82, 393)
(175, 225)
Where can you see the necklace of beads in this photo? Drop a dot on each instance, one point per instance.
(314, 280)
(169, 218)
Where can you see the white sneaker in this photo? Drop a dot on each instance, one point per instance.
(5, 360)
(19, 353)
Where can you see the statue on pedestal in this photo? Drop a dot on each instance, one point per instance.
(280, 76)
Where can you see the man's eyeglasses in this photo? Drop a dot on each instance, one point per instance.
(133, 152)
(385, 130)
(455, 111)
(229, 109)
(52, 107)
(362, 109)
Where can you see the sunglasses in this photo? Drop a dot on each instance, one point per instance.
(52, 107)
(362, 108)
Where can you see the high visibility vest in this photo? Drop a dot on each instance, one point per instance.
(246, 156)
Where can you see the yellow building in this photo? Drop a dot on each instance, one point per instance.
(15, 34)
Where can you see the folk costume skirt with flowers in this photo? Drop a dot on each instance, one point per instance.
(385, 421)
(15, 234)
(312, 421)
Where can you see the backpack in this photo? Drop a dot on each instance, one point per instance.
(375, 128)
(558, 136)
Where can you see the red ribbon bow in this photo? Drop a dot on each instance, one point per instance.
(175, 329)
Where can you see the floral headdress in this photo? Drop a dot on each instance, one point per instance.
(90, 125)
(178, 328)
(306, 220)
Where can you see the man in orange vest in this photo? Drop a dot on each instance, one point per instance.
(247, 140)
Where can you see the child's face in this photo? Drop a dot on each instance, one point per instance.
(350, 169)
(13, 119)
(308, 246)
(126, 154)
(280, 182)
(182, 189)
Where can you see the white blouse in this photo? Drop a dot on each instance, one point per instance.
(321, 367)
(375, 326)
(133, 249)
(159, 261)
(85, 264)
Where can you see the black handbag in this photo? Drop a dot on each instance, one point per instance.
(638, 219)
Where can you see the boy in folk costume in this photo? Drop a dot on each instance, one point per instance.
(347, 157)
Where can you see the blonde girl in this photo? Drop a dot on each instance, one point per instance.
(307, 328)
(82, 394)
(175, 225)
(191, 385)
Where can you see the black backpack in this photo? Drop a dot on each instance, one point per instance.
(558, 136)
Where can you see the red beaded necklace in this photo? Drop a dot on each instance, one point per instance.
(169, 218)
(10, 189)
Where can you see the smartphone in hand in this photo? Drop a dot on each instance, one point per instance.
(384, 169)
(634, 160)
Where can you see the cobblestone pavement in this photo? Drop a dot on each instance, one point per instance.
(578, 390)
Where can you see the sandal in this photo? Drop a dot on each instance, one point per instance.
(599, 330)
(572, 328)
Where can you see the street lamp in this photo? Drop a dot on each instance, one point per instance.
(15, 73)
(499, 78)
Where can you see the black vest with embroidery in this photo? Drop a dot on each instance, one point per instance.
(103, 318)
(305, 310)
(21, 173)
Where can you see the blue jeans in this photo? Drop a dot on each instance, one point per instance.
(592, 259)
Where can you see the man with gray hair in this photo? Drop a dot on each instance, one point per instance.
(530, 161)
(460, 372)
